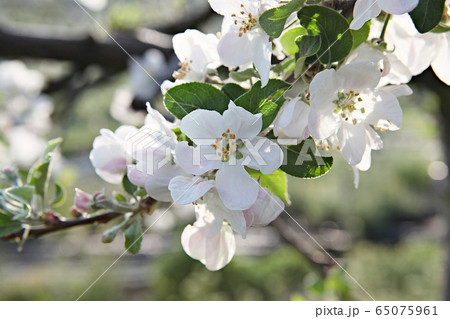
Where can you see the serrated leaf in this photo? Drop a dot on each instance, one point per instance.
(267, 100)
(8, 226)
(233, 90)
(133, 237)
(22, 194)
(333, 28)
(288, 39)
(276, 182)
(304, 161)
(244, 75)
(185, 98)
(308, 45)
(273, 20)
(360, 36)
(427, 14)
(128, 186)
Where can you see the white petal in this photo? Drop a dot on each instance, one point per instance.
(262, 54)
(386, 112)
(241, 122)
(215, 252)
(197, 160)
(363, 11)
(236, 188)
(202, 124)
(397, 6)
(359, 75)
(353, 142)
(298, 127)
(266, 208)
(226, 7)
(373, 139)
(235, 50)
(157, 185)
(262, 154)
(185, 190)
(441, 63)
(322, 123)
(209, 216)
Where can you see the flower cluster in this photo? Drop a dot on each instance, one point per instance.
(229, 99)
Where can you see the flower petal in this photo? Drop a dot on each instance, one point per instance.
(363, 11)
(397, 6)
(440, 63)
(262, 53)
(235, 50)
(386, 112)
(197, 160)
(241, 122)
(185, 190)
(359, 75)
(202, 124)
(236, 188)
(157, 184)
(353, 142)
(266, 208)
(262, 154)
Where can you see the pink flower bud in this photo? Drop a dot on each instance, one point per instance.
(83, 201)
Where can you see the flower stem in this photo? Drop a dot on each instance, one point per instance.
(383, 31)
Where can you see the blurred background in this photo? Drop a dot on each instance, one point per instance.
(62, 74)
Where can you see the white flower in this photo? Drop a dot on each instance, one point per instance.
(109, 156)
(152, 148)
(345, 104)
(226, 143)
(196, 51)
(415, 50)
(243, 40)
(211, 239)
(393, 70)
(365, 10)
(94, 5)
(293, 120)
(16, 78)
(214, 251)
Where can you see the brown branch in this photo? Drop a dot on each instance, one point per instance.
(309, 250)
(57, 225)
(82, 51)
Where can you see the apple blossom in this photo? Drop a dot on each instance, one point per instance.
(227, 143)
(293, 120)
(346, 104)
(196, 51)
(365, 10)
(243, 40)
(108, 154)
(415, 50)
(152, 148)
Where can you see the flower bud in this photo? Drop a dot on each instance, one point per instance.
(83, 201)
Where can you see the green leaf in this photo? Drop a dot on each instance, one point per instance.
(120, 198)
(427, 14)
(276, 182)
(39, 176)
(185, 98)
(8, 226)
(303, 160)
(333, 29)
(308, 45)
(273, 20)
(233, 90)
(244, 75)
(360, 36)
(60, 196)
(128, 186)
(267, 100)
(288, 39)
(22, 194)
(51, 146)
(133, 237)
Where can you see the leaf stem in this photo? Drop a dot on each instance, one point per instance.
(383, 31)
